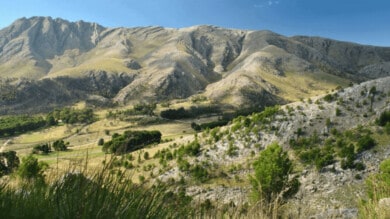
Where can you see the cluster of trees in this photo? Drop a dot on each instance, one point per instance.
(13, 125)
(130, 141)
(310, 152)
(193, 112)
(345, 145)
(71, 116)
(138, 109)
(58, 145)
(208, 125)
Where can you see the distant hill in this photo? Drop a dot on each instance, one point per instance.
(47, 62)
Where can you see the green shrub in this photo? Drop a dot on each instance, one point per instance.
(384, 118)
(338, 112)
(199, 173)
(183, 164)
(329, 98)
(232, 150)
(387, 128)
(31, 169)
(191, 149)
(366, 142)
(272, 170)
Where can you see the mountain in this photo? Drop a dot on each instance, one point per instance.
(47, 62)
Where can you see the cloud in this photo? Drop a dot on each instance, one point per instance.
(273, 3)
(265, 4)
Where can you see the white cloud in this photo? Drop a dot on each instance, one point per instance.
(268, 3)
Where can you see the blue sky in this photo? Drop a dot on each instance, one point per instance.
(361, 21)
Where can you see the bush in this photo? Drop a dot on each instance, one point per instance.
(183, 164)
(272, 170)
(329, 98)
(199, 173)
(192, 149)
(232, 150)
(31, 169)
(384, 118)
(387, 128)
(338, 112)
(366, 142)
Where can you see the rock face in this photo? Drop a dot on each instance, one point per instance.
(235, 67)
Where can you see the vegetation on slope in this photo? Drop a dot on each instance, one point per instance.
(101, 194)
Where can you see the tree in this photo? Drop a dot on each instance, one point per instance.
(146, 155)
(60, 145)
(31, 169)
(41, 149)
(272, 181)
(8, 162)
(101, 142)
(50, 120)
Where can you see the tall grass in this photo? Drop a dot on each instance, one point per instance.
(376, 205)
(101, 194)
(378, 188)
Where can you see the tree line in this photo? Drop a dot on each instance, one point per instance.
(192, 112)
(15, 125)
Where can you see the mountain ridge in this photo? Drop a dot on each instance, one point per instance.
(239, 68)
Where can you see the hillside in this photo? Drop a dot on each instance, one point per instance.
(327, 191)
(213, 167)
(64, 62)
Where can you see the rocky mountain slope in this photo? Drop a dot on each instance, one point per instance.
(234, 67)
(331, 191)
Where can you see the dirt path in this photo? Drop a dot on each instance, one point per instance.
(2, 148)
